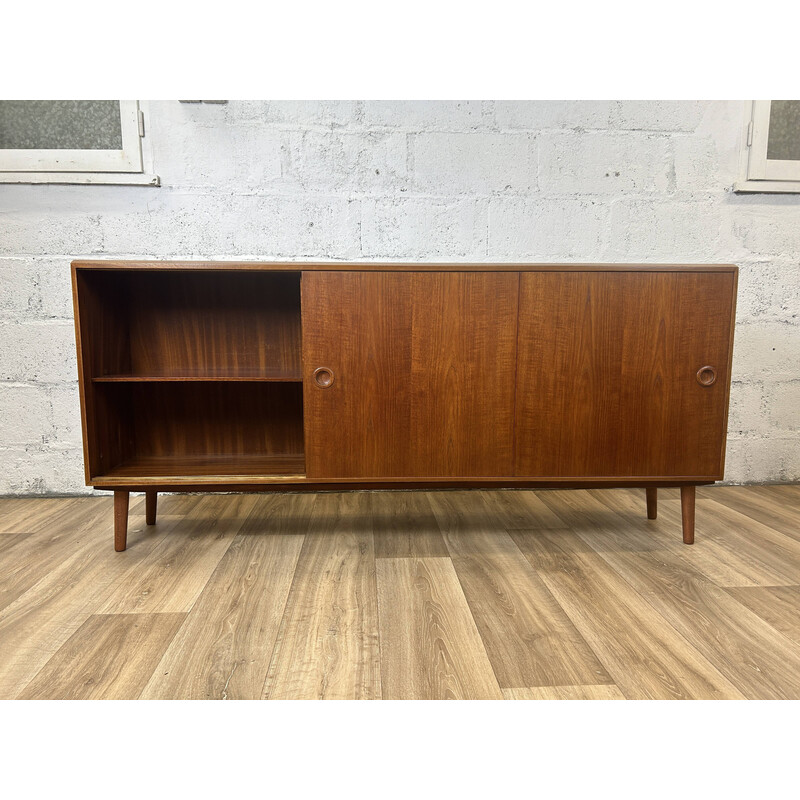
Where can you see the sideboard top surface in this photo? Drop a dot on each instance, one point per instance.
(393, 266)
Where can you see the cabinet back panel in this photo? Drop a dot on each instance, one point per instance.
(216, 419)
(215, 322)
(607, 367)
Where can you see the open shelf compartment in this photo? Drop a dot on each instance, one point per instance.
(205, 430)
(161, 325)
(191, 374)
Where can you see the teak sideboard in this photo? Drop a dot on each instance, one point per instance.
(242, 376)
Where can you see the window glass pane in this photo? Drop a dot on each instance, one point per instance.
(60, 125)
(784, 130)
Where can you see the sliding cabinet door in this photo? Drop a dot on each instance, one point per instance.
(409, 374)
(623, 374)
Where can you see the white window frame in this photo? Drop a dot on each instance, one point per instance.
(757, 173)
(125, 166)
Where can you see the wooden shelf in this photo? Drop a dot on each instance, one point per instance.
(202, 375)
(204, 467)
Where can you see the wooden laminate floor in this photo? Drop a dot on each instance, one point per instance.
(418, 595)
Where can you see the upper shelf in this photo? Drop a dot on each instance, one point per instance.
(182, 375)
(189, 326)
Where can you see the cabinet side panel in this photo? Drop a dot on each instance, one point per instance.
(101, 324)
(607, 373)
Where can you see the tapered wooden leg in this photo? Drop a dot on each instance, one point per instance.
(687, 513)
(121, 520)
(652, 502)
(150, 502)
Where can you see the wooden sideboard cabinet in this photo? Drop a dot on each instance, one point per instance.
(221, 376)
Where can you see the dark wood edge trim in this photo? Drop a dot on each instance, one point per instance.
(735, 291)
(338, 486)
(389, 266)
(82, 380)
(515, 408)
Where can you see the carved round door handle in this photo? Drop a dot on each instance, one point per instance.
(706, 376)
(323, 377)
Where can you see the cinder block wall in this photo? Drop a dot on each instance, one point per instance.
(529, 181)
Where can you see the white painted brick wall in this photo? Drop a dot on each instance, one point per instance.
(423, 228)
(474, 163)
(478, 180)
(605, 163)
(570, 228)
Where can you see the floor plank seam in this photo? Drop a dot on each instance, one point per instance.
(472, 616)
(723, 670)
(283, 623)
(564, 610)
(716, 620)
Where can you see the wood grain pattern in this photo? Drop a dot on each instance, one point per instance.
(212, 322)
(601, 692)
(327, 646)
(588, 511)
(768, 505)
(430, 647)
(463, 363)
(151, 506)
(27, 560)
(40, 620)
(656, 615)
(359, 325)
(778, 606)
(755, 658)
(217, 418)
(606, 373)
(227, 467)
(205, 375)
(393, 266)
(201, 363)
(269, 482)
(651, 495)
(405, 526)
(223, 650)
(778, 490)
(173, 575)
(521, 510)
(687, 513)
(751, 554)
(646, 657)
(10, 540)
(424, 367)
(108, 656)
(121, 503)
(729, 557)
(529, 639)
(102, 347)
(28, 514)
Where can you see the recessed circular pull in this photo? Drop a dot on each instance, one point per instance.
(706, 376)
(323, 377)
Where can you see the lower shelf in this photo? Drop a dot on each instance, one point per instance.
(223, 466)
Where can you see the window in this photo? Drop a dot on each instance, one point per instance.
(72, 141)
(771, 153)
